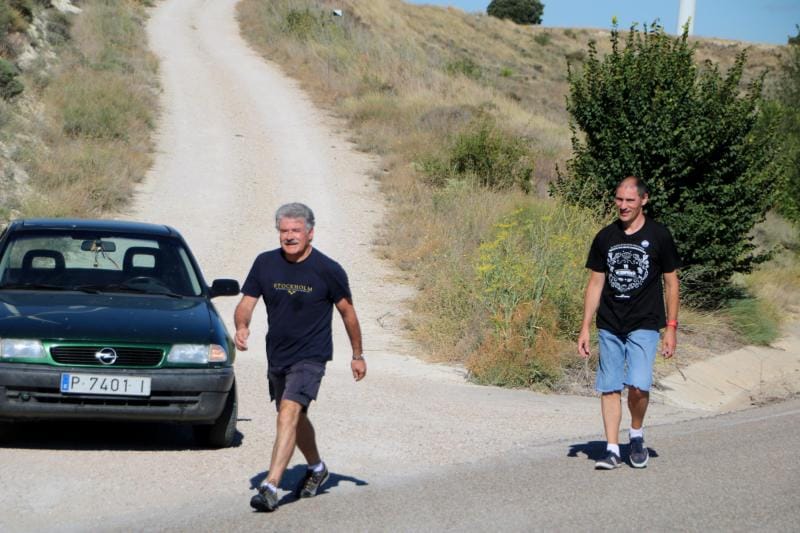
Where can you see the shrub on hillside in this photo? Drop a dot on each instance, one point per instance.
(647, 110)
(58, 27)
(301, 23)
(11, 20)
(465, 66)
(10, 86)
(485, 155)
(520, 11)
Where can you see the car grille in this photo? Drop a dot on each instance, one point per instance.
(126, 356)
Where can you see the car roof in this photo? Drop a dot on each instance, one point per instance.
(122, 226)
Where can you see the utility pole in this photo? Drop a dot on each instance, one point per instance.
(686, 14)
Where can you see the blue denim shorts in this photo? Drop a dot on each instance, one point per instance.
(626, 360)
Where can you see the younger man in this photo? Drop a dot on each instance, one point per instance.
(628, 260)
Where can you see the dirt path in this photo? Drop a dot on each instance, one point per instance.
(237, 139)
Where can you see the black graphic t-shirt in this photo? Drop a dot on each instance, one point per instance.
(299, 299)
(633, 296)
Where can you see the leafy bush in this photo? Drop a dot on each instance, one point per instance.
(465, 66)
(520, 11)
(542, 39)
(301, 24)
(647, 110)
(10, 86)
(576, 56)
(58, 27)
(788, 111)
(485, 155)
(11, 19)
(23, 7)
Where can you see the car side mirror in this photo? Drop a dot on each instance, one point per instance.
(224, 287)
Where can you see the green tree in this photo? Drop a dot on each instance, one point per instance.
(647, 109)
(520, 11)
(788, 111)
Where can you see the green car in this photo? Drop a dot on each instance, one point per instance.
(111, 320)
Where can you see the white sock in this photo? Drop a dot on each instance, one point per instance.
(270, 486)
(636, 433)
(319, 467)
(613, 448)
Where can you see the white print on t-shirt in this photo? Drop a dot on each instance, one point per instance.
(628, 266)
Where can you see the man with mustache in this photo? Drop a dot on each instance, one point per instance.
(627, 262)
(300, 286)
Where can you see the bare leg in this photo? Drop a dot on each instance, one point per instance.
(611, 406)
(306, 440)
(638, 401)
(285, 439)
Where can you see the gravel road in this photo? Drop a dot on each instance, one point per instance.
(236, 139)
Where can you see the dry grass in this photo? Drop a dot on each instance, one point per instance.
(86, 134)
(410, 80)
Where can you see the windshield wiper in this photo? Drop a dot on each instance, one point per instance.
(34, 286)
(123, 287)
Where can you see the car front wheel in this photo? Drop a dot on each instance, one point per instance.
(221, 433)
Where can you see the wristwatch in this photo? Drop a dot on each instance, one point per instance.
(359, 357)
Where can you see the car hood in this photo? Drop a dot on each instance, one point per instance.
(104, 317)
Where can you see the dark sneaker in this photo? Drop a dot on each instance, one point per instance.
(266, 500)
(309, 486)
(609, 462)
(639, 454)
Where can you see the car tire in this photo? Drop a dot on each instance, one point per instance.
(5, 431)
(221, 433)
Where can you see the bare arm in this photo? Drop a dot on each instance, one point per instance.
(241, 319)
(591, 301)
(672, 291)
(353, 328)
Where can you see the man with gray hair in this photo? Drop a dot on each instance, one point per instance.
(300, 286)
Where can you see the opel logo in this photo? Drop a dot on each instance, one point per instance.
(106, 356)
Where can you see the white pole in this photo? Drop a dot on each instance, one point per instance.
(686, 14)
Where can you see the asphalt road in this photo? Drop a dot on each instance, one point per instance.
(734, 472)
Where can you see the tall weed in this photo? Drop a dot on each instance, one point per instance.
(531, 277)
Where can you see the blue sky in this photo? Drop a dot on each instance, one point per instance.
(759, 21)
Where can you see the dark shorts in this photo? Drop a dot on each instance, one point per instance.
(299, 383)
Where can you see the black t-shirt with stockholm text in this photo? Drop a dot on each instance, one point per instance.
(633, 295)
(299, 299)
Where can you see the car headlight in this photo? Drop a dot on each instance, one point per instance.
(21, 349)
(198, 354)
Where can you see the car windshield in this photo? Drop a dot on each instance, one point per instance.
(98, 263)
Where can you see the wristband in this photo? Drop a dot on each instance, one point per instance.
(358, 357)
(672, 323)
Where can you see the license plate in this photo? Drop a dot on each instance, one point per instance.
(105, 384)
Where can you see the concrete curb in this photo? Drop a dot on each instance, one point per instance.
(737, 379)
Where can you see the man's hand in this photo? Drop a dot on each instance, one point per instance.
(359, 368)
(583, 344)
(240, 339)
(669, 342)
(241, 319)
